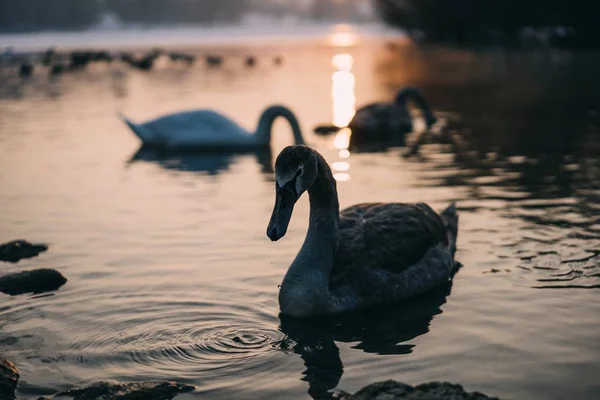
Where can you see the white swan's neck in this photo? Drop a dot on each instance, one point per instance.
(265, 124)
(305, 287)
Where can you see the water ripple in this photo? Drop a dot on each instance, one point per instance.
(178, 337)
(551, 270)
(217, 346)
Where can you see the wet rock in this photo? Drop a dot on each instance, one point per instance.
(9, 341)
(34, 281)
(9, 376)
(156, 390)
(19, 249)
(392, 390)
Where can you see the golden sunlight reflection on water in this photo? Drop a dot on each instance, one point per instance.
(342, 141)
(343, 36)
(344, 108)
(342, 89)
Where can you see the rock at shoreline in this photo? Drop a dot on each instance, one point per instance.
(9, 376)
(157, 390)
(19, 249)
(392, 390)
(34, 281)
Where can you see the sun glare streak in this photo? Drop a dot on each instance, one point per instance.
(341, 177)
(343, 62)
(343, 97)
(344, 107)
(342, 89)
(340, 166)
(342, 139)
(343, 36)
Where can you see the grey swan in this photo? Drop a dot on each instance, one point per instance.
(366, 255)
(382, 122)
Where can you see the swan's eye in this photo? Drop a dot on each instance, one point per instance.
(290, 183)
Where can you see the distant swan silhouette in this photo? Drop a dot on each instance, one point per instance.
(198, 129)
(369, 254)
(378, 122)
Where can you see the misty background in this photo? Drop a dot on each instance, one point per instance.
(562, 22)
(36, 15)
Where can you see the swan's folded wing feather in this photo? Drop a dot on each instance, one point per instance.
(380, 121)
(386, 236)
(198, 124)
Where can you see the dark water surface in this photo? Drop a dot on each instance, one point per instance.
(171, 275)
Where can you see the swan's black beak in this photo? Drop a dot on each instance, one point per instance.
(285, 198)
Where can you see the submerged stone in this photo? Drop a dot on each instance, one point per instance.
(9, 377)
(392, 390)
(34, 281)
(155, 390)
(19, 249)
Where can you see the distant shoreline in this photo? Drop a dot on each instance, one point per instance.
(180, 36)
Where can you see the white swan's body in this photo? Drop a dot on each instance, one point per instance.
(209, 129)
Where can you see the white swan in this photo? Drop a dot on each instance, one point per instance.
(209, 129)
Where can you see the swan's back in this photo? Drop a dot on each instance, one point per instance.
(379, 122)
(197, 128)
(379, 242)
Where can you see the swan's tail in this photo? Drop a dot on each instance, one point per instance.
(450, 219)
(325, 130)
(144, 134)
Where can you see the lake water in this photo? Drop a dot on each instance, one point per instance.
(171, 275)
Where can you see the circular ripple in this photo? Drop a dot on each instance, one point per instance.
(211, 345)
(176, 337)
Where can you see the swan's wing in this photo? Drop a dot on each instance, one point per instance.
(381, 121)
(381, 112)
(386, 236)
(197, 127)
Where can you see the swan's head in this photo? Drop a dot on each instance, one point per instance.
(295, 172)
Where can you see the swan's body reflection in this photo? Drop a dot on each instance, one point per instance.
(211, 163)
(385, 331)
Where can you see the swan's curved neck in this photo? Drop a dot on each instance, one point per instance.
(265, 124)
(305, 287)
(414, 94)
